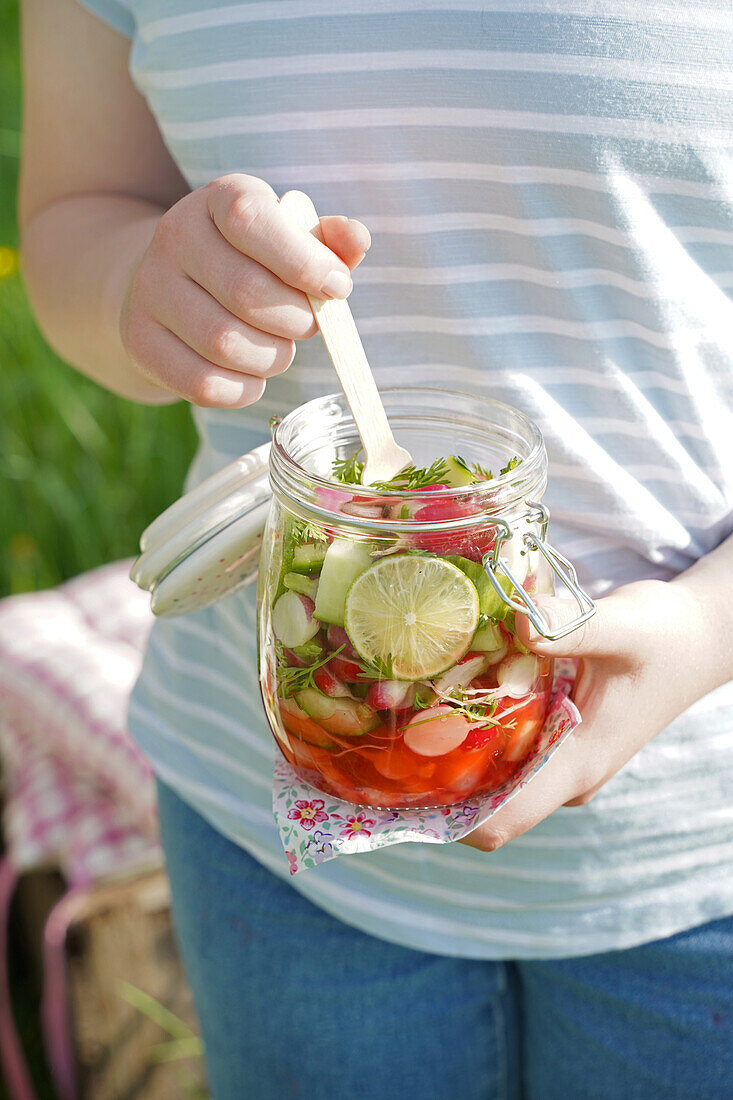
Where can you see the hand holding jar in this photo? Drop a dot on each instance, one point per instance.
(651, 651)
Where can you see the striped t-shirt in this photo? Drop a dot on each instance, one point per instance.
(549, 188)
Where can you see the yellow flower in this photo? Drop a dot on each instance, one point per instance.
(9, 261)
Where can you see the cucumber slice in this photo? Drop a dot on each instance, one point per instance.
(458, 472)
(345, 560)
(491, 640)
(297, 723)
(341, 716)
(490, 604)
(308, 558)
(282, 557)
(297, 582)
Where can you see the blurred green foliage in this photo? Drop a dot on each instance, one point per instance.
(81, 471)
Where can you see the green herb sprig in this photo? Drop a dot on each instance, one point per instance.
(475, 712)
(511, 464)
(378, 669)
(416, 477)
(302, 531)
(348, 470)
(291, 678)
(481, 473)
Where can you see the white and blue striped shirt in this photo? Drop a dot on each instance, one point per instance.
(549, 187)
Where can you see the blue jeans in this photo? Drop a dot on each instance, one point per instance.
(294, 1003)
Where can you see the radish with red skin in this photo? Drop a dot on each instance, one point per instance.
(329, 684)
(390, 695)
(347, 670)
(518, 674)
(492, 735)
(441, 511)
(293, 621)
(338, 639)
(368, 508)
(473, 544)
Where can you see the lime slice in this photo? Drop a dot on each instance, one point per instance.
(412, 616)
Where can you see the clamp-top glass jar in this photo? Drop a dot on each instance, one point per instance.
(390, 668)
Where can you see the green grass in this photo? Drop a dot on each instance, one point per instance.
(81, 471)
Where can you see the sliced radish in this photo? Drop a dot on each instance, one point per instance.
(293, 621)
(339, 639)
(518, 674)
(486, 735)
(329, 684)
(440, 511)
(526, 721)
(437, 731)
(390, 695)
(522, 739)
(294, 660)
(393, 763)
(332, 499)
(368, 508)
(465, 771)
(462, 673)
(346, 669)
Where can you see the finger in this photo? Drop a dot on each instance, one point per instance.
(606, 633)
(169, 362)
(246, 288)
(191, 313)
(250, 218)
(559, 781)
(349, 239)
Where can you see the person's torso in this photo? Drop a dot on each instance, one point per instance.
(549, 190)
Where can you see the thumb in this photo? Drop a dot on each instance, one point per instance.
(600, 635)
(348, 238)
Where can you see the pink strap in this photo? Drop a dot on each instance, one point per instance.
(54, 1002)
(15, 1067)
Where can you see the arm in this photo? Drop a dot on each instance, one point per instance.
(155, 292)
(651, 651)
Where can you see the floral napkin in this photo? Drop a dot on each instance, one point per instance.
(315, 827)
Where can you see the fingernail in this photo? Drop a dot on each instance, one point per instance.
(361, 225)
(337, 285)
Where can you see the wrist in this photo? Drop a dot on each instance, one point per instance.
(708, 600)
(129, 242)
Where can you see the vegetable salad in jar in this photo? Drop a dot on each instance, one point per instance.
(392, 673)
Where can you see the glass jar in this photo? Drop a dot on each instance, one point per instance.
(390, 668)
